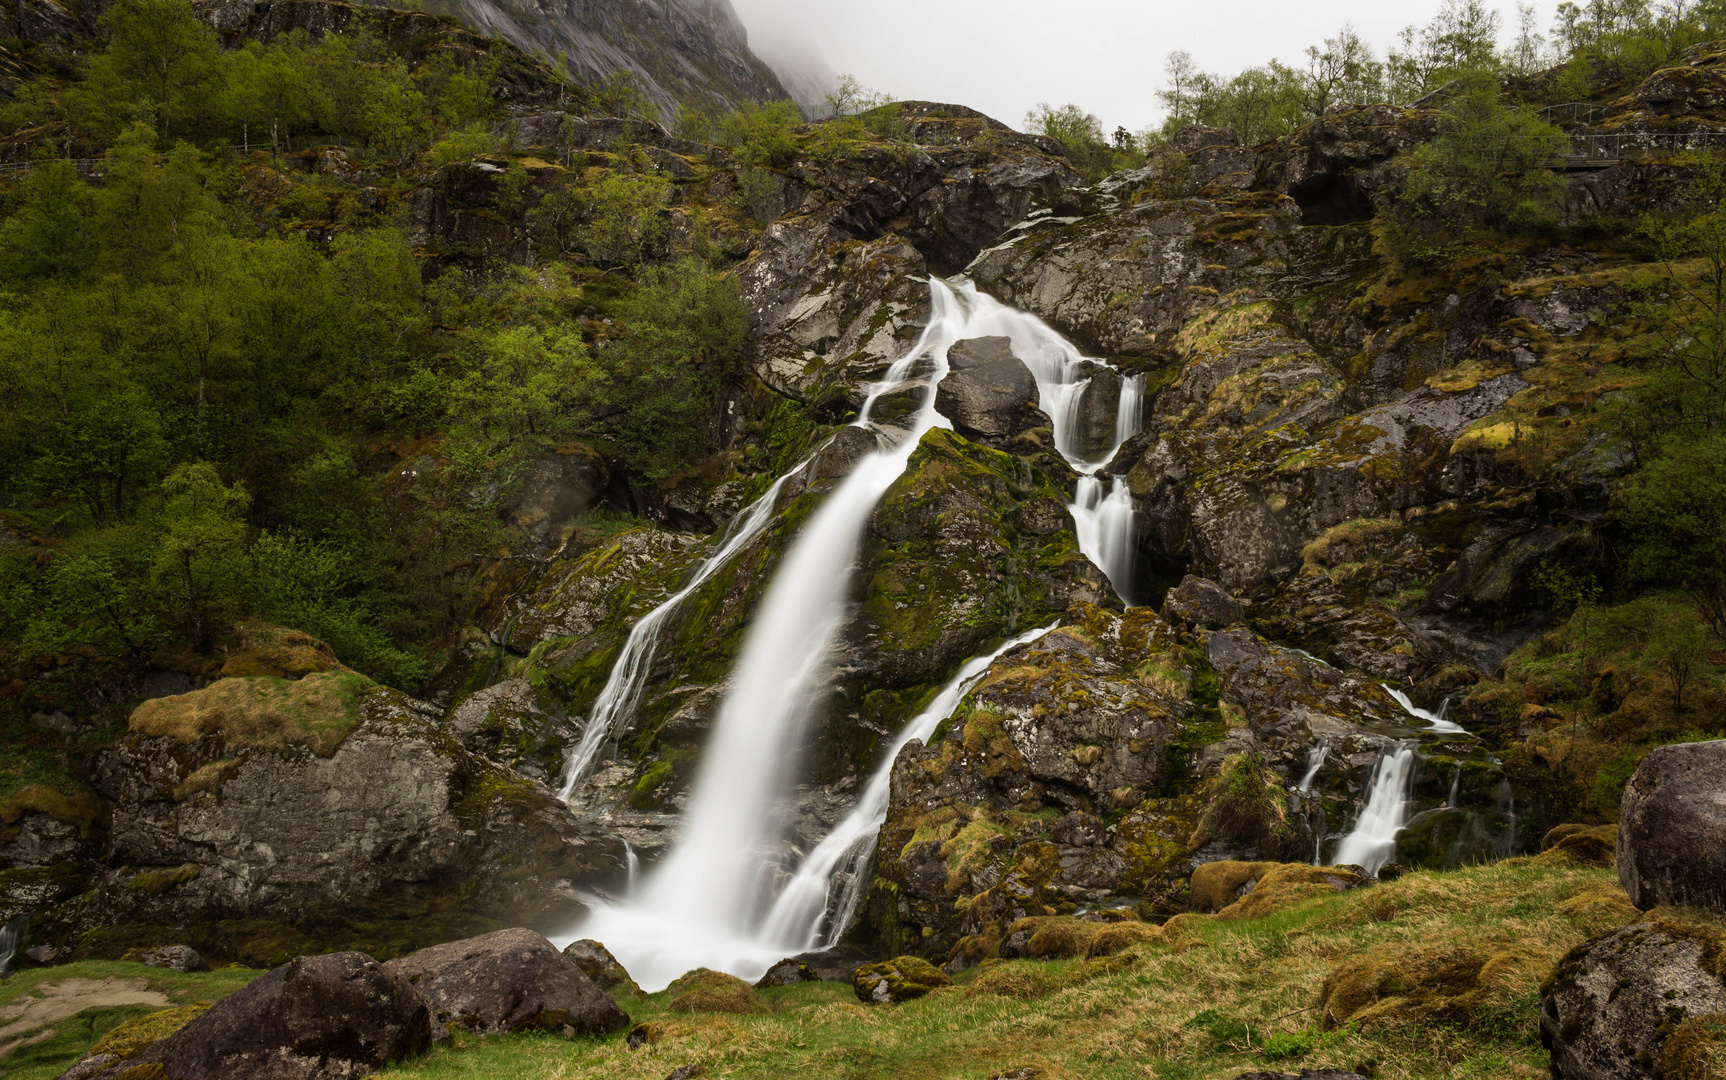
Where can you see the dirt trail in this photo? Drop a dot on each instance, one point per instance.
(22, 1022)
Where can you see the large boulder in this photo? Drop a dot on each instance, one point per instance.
(988, 392)
(323, 803)
(597, 963)
(1202, 605)
(1672, 828)
(326, 1017)
(511, 980)
(1612, 1003)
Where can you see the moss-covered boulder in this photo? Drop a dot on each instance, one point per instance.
(901, 979)
(1610, 1007)
(330, 804)
(703, 990)
(1288, 884)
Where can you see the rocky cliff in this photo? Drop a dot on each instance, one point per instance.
(692, 52)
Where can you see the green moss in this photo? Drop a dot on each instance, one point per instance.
(644, 794)
(157, 882)
(318, 711)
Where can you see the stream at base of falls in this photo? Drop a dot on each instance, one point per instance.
(711, 901)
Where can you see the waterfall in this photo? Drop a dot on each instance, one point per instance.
(1372, 841)
(1314, 762)
(617, 701)
(1436, 721)
(1104, 523)
(840, 862)
(708, 903)
(11, 935)
(634, 867)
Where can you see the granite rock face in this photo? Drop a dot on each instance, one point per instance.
(1672, 828)
(1610, 1005)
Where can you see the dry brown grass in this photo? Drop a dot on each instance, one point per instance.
(74, 806)
(1696, 1050)
(317, 712)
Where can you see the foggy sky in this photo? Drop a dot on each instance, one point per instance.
(1004, 56)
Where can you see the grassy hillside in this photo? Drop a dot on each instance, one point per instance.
(1434, 975)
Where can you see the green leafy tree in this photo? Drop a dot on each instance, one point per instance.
(1489, 168)
(1461, 38)
(49, 235)
(1341, 72)
(201, 524)
(762, 135)
(625, 222)
(268, 89)
(97, 594)
(1675, 508)
(676, 344)
(162, 67)
(1686, 389)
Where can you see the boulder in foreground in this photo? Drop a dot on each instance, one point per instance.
(1672, 828)
(511, 980)
(315, 1018)
(1612, 1004)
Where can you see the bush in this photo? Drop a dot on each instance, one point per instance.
(1675, 507)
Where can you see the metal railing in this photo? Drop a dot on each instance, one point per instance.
(1575, 112)
(1643, 144)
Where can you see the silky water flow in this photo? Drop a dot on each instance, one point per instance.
(710, 902)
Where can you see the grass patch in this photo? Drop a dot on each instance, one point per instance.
(266, 712)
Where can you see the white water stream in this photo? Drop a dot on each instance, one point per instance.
(1436, 721)
(709, 903)
(1372, 842)
(622, 692)
(814, 909)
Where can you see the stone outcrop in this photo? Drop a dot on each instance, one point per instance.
(316, 1018)
(1612, 1003)
(321, 802)
(508, 981)
(988, 393)
(1672, 828)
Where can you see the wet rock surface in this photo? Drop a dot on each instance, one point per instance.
(988, 393)
(511, 980)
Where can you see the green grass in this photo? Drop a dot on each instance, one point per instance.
(63, 1043)
(1224, 998)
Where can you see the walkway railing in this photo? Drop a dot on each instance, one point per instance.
(1574, 112)
(1617, 147)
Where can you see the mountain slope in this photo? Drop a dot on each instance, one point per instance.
(694, 51)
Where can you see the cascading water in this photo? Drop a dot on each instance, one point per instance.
(1314, 762)
(1436, 721)
(706, 904)
(1104, 522)
(1372, 841)
(622, 692)
(808, 915)
(11, 935)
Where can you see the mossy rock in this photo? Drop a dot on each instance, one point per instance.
(139, 1034)
(266, 712)
(1024, 980)
(1058, 937)
(1119, 937)
(899, 979)
(1409, 982)
(265, 649)
(1288, 884)
(703, 990)
(1216, 885)
(1590, 845)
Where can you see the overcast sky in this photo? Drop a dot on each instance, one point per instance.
(1004, 56)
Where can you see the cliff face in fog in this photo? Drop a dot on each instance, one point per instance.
(680, 50)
